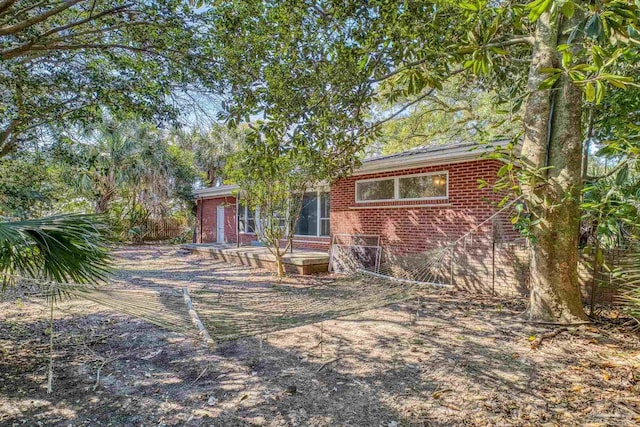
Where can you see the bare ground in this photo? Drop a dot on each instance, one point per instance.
(442, 360)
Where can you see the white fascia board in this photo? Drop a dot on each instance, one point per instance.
(453, 155)
(210, 192)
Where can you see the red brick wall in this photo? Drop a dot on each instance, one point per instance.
(209, 207)
(407, 226)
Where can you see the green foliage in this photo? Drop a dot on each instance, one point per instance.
(449, 115)
(611, 216)
(627, 274)
(210, 148)
(26, 187)
(301, 69)
(131, 172)
(82, 62)
(272, 180)
(64, 248)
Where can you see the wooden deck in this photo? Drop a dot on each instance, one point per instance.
(299, 262)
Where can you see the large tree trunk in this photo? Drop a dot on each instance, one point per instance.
(553, 138)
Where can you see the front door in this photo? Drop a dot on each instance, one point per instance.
(220, 225)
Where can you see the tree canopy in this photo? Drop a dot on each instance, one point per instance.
(80, 61)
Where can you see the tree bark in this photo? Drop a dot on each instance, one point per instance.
(553, 138)
(279, 264)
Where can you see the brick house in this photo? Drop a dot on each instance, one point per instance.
(411, 200)
(414, 201)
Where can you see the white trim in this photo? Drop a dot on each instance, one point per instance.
(425, 205)
(385, 178)
(318, 208)
(445, 155)
(396, 187)
(211, 192)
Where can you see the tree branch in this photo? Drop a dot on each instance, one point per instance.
(511, 42)
(6, 139)
(399, 70)
(12, 29)
(43, 48)
(6, 4)
(85, 20)
(15, 14)
(409, 104)
(608, 174)
(22, 49)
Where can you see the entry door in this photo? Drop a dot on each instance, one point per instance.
(220, 225)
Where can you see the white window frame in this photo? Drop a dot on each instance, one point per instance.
(318, 210)
(396, 187)
(256, 214)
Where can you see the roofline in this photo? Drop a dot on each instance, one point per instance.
(453, 154)
(210, 192)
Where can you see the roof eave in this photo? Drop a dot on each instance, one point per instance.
(211, 192)
(418, 160)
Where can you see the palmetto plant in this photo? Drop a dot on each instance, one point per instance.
(54, 251)
(62, 249)
(211, 149)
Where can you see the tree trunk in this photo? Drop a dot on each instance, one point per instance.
(279, 264)
(553, 138)
(102, 204)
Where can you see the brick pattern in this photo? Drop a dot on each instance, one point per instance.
(209, 207)
(418, 227)
(408, 227)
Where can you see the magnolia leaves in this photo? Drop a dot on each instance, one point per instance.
(594, 47)
(592, 77)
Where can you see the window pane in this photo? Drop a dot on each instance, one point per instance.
(242, 219)
(418, 187)
(308, 222)
(325, 205)
(375, 190)
(325, 227)
(251, 221)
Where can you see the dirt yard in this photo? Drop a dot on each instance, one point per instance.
(440, 360)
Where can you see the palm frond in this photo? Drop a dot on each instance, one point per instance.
(62, 249)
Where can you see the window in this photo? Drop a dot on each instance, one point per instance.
(308, 222)
(423, 186)
(242, 218)
(251, 221)
(429, 186)
(315, 215)
(325, 214)
(246, 219)
(375, 190)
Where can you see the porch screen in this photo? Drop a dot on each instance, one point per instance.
(314, 215)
